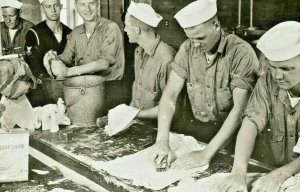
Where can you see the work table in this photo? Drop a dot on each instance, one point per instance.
(78, 147)
(42, 179)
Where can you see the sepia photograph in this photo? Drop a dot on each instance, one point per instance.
(150, 96)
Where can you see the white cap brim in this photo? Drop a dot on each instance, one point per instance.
(282, 42)
(196, 13)
(144, 13)
(11, 3)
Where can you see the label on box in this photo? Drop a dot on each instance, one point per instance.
(14, 154)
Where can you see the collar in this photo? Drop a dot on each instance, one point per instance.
(222, 43)
(153, 46)
(98, 25)
(284, 98)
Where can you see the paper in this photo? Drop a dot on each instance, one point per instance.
(292, 184)
(296, 148)
(207, 184)
(141, 170)
(120, 118)
(18, 112)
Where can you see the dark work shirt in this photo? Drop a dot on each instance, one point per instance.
(151, 73)
(210, 85)
(277, 121)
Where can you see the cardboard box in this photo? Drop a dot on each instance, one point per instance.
(14, 154)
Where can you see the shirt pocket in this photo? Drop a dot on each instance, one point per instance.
(224, 99)
(278, 146)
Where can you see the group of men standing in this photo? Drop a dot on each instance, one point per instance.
(220, 72)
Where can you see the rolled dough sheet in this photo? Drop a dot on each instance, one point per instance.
(208, 184)
(141, 170)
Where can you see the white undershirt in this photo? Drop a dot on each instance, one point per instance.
(293, 100)
(88, 35)
(58, 36)
(209, 57)
(12, 33)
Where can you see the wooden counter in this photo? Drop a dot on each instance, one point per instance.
(77, 148)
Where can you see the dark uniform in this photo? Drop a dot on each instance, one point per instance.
(39, 40)
(18, 44)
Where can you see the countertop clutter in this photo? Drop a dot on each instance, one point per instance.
(78, 148)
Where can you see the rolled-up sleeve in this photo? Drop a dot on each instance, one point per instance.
(69, 52)
(258, 107)
(244, 67)
(112, 50)
(180, 63)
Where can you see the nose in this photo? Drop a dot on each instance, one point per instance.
(8, 20)
(53, 9)
(278, 74)
(89, 8)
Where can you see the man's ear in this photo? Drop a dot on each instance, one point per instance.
(217, 25)
(138, 29)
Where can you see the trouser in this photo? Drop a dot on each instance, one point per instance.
(45, 93)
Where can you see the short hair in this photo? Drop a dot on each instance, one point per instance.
(144, 26)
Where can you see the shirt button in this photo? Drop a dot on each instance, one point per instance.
(208, 86)
(294, 156)
(273, 139)
(208, 105)
(291, 135)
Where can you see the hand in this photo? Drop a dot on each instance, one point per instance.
(52, 55)
(232, 183)
(192, 160)
(159, 152)
(46, 62)
(270, 182)
(59, 69)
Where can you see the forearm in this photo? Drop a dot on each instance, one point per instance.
(229, 127)
(244, 146)
(166, 112)
(89, 68)
(148, 113)
(232, 122)
(290, 169)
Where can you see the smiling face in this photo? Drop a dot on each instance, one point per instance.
(204, 36)
(87, 9)
(286, 73)
(52, 9)
(11, 17)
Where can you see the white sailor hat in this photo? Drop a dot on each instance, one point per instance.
(196, 13)
(11, 3)
(145, 13)
(282, 42)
